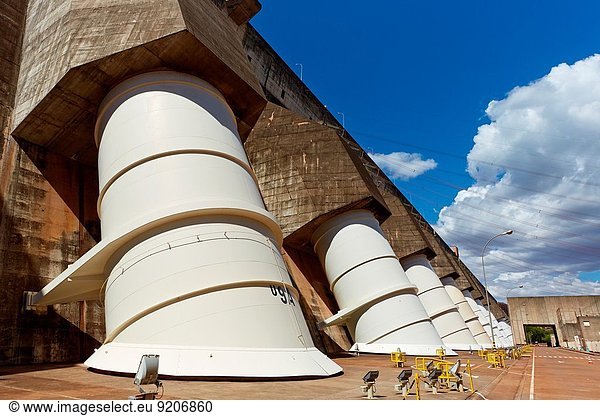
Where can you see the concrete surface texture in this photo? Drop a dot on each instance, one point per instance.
(59, 61)
(574, 319)
(557, 374)
(377, 301)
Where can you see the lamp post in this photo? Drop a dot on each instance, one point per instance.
(512, 288)
(343, 119)
(487, 293)
(301, 70)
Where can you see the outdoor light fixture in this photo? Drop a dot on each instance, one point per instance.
(487, 293)
(301, 70)
(371, 376)
(369, 387)
(512, 288)
(403, 379)
(147, 374)
(404, 375)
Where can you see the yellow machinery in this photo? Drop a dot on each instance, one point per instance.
(442, 374)
(526, 350)
(522, 351)
(441, 353)
(398, 357)
(450, 378)
(496, 358)
(417, 387)
(426, 363)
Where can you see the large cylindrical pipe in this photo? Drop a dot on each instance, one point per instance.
(499, 333)
(481, 315)
(486, 314)
(466, 312)
(438, 304)
(504, 330)
(377, 302)
(201, 282)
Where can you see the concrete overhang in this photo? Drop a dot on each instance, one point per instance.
(60, 113)
(242, 10)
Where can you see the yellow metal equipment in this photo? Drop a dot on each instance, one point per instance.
(441, 353)
(398, 357)
(417, 387)
(405, 384)
(468, 370)
(496, 359)
(522, 351)
(526, 350)
(450, 378)
(442, 374)
(426, 363)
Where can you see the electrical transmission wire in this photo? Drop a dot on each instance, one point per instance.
(549, 229)
(409, 169)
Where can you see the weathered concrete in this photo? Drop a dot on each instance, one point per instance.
(73, 382)
(306, 174)
(317, 300)
(565, 313)
(72, 53)
(75, 51)
(406, 229)
(552, 367)
(548, 374)
(48, 220)
(56, 71)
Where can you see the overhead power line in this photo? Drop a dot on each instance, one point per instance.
(486, 162)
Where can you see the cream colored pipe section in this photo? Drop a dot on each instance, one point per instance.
(480, 312)
(377, 302)
(470, 318)
(438, 304)
(202, 283)
(501, 340)
(485, 314)
(505, 332)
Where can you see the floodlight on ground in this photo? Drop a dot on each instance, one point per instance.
(371, 376)
(434, 374)
(403, 379)
(404, 375)
(369, 380)
(455, 368)
(432, 379)
(147, 374)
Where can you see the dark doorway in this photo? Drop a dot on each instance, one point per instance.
(541, 334)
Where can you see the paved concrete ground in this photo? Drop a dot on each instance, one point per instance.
(549, 374)
(564, 374)
(514, 382)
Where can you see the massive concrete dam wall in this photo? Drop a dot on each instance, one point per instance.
(61, 58)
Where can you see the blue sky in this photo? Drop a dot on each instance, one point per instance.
(418, 77)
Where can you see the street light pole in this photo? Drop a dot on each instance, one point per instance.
(487, 293)
(512, 288)
(343, 119)
(301, 70)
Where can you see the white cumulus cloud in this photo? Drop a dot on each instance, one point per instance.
(401, 165)
(536, 170)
